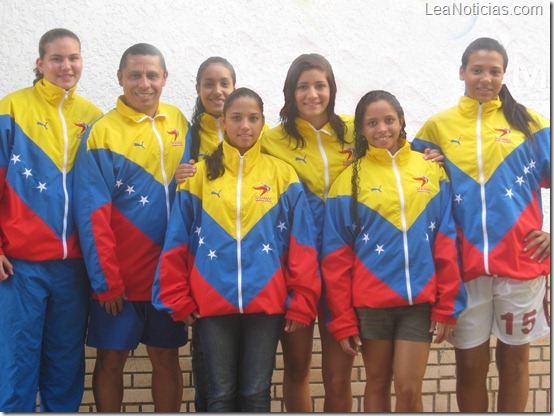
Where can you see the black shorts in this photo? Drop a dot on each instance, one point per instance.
(409, 323)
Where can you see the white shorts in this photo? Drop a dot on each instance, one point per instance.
(515, 311)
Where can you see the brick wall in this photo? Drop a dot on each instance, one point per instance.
(439, 384)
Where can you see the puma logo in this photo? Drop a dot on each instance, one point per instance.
(301, 159)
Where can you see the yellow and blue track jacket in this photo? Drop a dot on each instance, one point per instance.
(496, 178)
(318, 164)
(40, 131)
(402, 248)
(242, 243)
(124, 188)
(211, 134)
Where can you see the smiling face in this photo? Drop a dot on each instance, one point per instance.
(312, 96)
(243, 122)
(142, 79)
(483, 75)
(62, 63)
(382, 126)
(215, 85)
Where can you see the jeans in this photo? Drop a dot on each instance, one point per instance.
(199, 374)
(239, 354)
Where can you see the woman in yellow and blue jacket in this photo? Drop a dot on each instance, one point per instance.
(215, 80)
(239, 256)
(317, 143)
(498, 159)
(390, 263)
(44, 287)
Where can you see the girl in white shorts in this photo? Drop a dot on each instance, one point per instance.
(497, 156)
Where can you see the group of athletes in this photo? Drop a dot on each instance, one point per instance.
(127, 227)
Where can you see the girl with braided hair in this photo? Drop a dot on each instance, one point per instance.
(389, 263)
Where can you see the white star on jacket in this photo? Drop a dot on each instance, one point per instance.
(27, 173)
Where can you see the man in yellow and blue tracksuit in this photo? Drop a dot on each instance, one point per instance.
(124, 189)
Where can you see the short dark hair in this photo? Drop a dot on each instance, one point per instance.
(142, 49)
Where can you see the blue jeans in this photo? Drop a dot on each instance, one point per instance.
(239, 354)
(199, 374)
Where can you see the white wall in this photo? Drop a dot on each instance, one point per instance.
(395, 45)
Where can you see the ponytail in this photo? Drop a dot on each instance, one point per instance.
(199, 109)
(516, 114)
(214, 163)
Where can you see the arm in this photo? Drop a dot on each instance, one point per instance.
(338, 259)
(538, 245)
(184, 171)
(6, 268)
(301, 274)
(538, 241)
(351, 345)
(171, 288)
(7, 125)
(451, 296)
(426, 141)
(93, 210)
(433, 155)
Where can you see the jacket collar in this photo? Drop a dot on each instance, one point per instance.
(232, 157)
(470, 106)
(134, 115)
(306, 128)
(209, 122)
(383, 156)
(52, 93)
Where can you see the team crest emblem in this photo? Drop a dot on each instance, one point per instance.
(349, 152)
(174, 139)
(265, 188)
(84, 127)
(424, 180)
(504, 131)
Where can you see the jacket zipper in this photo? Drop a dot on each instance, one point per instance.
(482, 185)
(219, 131)
(64, 175)
(239, 237)
(325, 164)
(404, 230)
